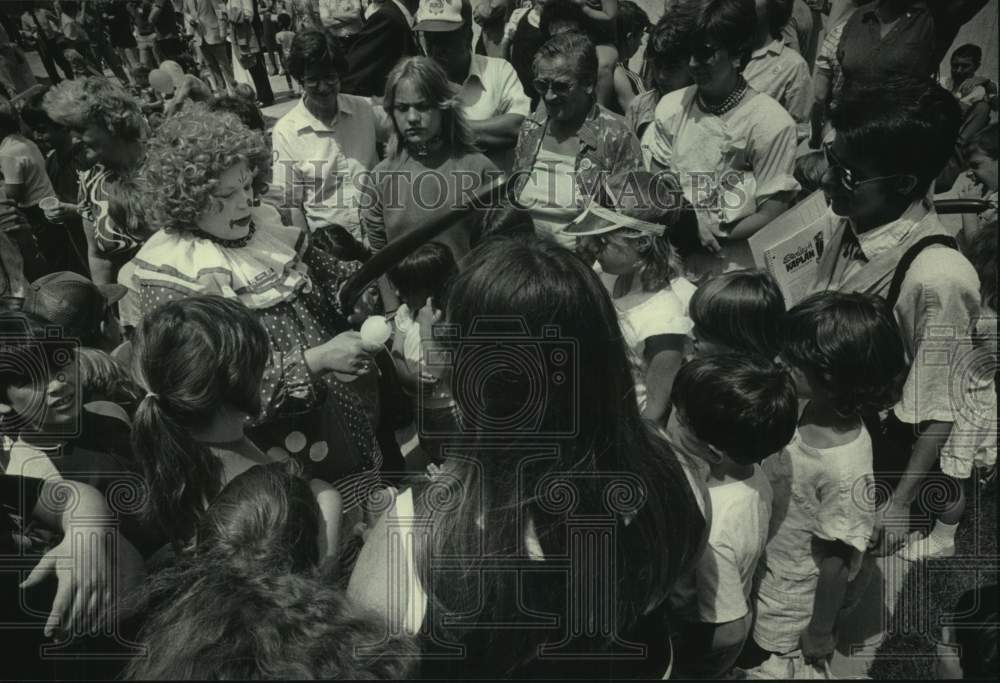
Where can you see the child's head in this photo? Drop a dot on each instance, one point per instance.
(199, 359)
(893, 138)
(140, 75)
(632, 235)
(740, 407)
(965, 61)
(633, 22)
(284, 21)
(846, 351)
(775, 14)
(668, 48)
(809, 171)
(563, 16)
(81, 309)
(738, 311)
(981, 154)
(424, 274)
(266, 520)
(245, 91)
(39, 377)
(253, 576)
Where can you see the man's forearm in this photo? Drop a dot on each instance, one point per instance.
(497, 131)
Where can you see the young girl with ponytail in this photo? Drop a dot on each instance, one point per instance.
(201, 361)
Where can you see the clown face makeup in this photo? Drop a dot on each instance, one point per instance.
(228, 214)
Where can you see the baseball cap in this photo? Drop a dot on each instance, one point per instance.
(71, 301)
(443, 15)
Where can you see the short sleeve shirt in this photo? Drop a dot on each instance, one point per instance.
(718, 589)
(22, 163)
(782, 73)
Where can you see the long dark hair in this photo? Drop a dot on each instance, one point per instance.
(193, 357)
(546, 441)
(252, 576)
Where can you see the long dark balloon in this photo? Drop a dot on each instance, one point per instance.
(395, 251)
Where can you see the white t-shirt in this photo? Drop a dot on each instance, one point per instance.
(718, 589)
(665, 312)
(818, 492)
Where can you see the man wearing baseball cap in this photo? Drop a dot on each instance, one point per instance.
(83, 310)
(491, 93)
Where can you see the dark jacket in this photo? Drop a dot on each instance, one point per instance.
(385, 39)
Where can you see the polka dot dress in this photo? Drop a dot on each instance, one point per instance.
(324, 424)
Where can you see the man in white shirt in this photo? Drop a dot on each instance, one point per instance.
(327, 141)
(491, 93)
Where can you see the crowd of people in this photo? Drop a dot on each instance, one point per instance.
(464, 367)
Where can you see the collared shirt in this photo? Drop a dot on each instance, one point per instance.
(641, 110)
(318, 167)
(782, 73)
(937, 309)
(910, 48)
(492, 88)
(826, 58)
(606, 146)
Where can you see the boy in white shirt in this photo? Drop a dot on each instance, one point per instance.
(733, 412)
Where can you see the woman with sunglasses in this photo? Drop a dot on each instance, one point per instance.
(733, 147)
(570, 143)
(892, 140)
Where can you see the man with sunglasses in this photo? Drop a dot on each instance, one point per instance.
(892, 139)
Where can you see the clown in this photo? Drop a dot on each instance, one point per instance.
(217, 240)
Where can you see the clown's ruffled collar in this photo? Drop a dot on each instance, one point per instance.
(261, 270)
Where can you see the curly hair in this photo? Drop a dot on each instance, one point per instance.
(851, 347)
(185, 158)
(83, 102)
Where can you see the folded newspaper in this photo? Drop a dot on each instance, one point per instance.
(790, 246)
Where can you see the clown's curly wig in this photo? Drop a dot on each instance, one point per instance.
(84, 102)
(185, 158)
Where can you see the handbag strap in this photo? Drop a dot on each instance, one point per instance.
(908, 258)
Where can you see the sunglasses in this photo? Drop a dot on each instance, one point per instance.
(560, 88)
(847, 178)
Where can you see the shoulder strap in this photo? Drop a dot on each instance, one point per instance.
(908, 257)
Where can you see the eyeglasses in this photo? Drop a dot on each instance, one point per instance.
(846, 175)
(560, 88)
(314, 83)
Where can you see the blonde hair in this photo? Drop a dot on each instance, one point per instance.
(84, 102)
(432, 82)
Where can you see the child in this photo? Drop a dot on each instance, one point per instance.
(739, 312)
(733, 412)
(46, 433)
(644, 279)
(83, 310)
(666, 64)
(981, 155)
(201, 361)
(256, 576)
(284, 37)
(420, 281)
(846, 355)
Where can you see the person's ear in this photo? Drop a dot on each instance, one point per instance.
(714, 455)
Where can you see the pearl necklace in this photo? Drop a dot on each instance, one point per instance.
(728, 104)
